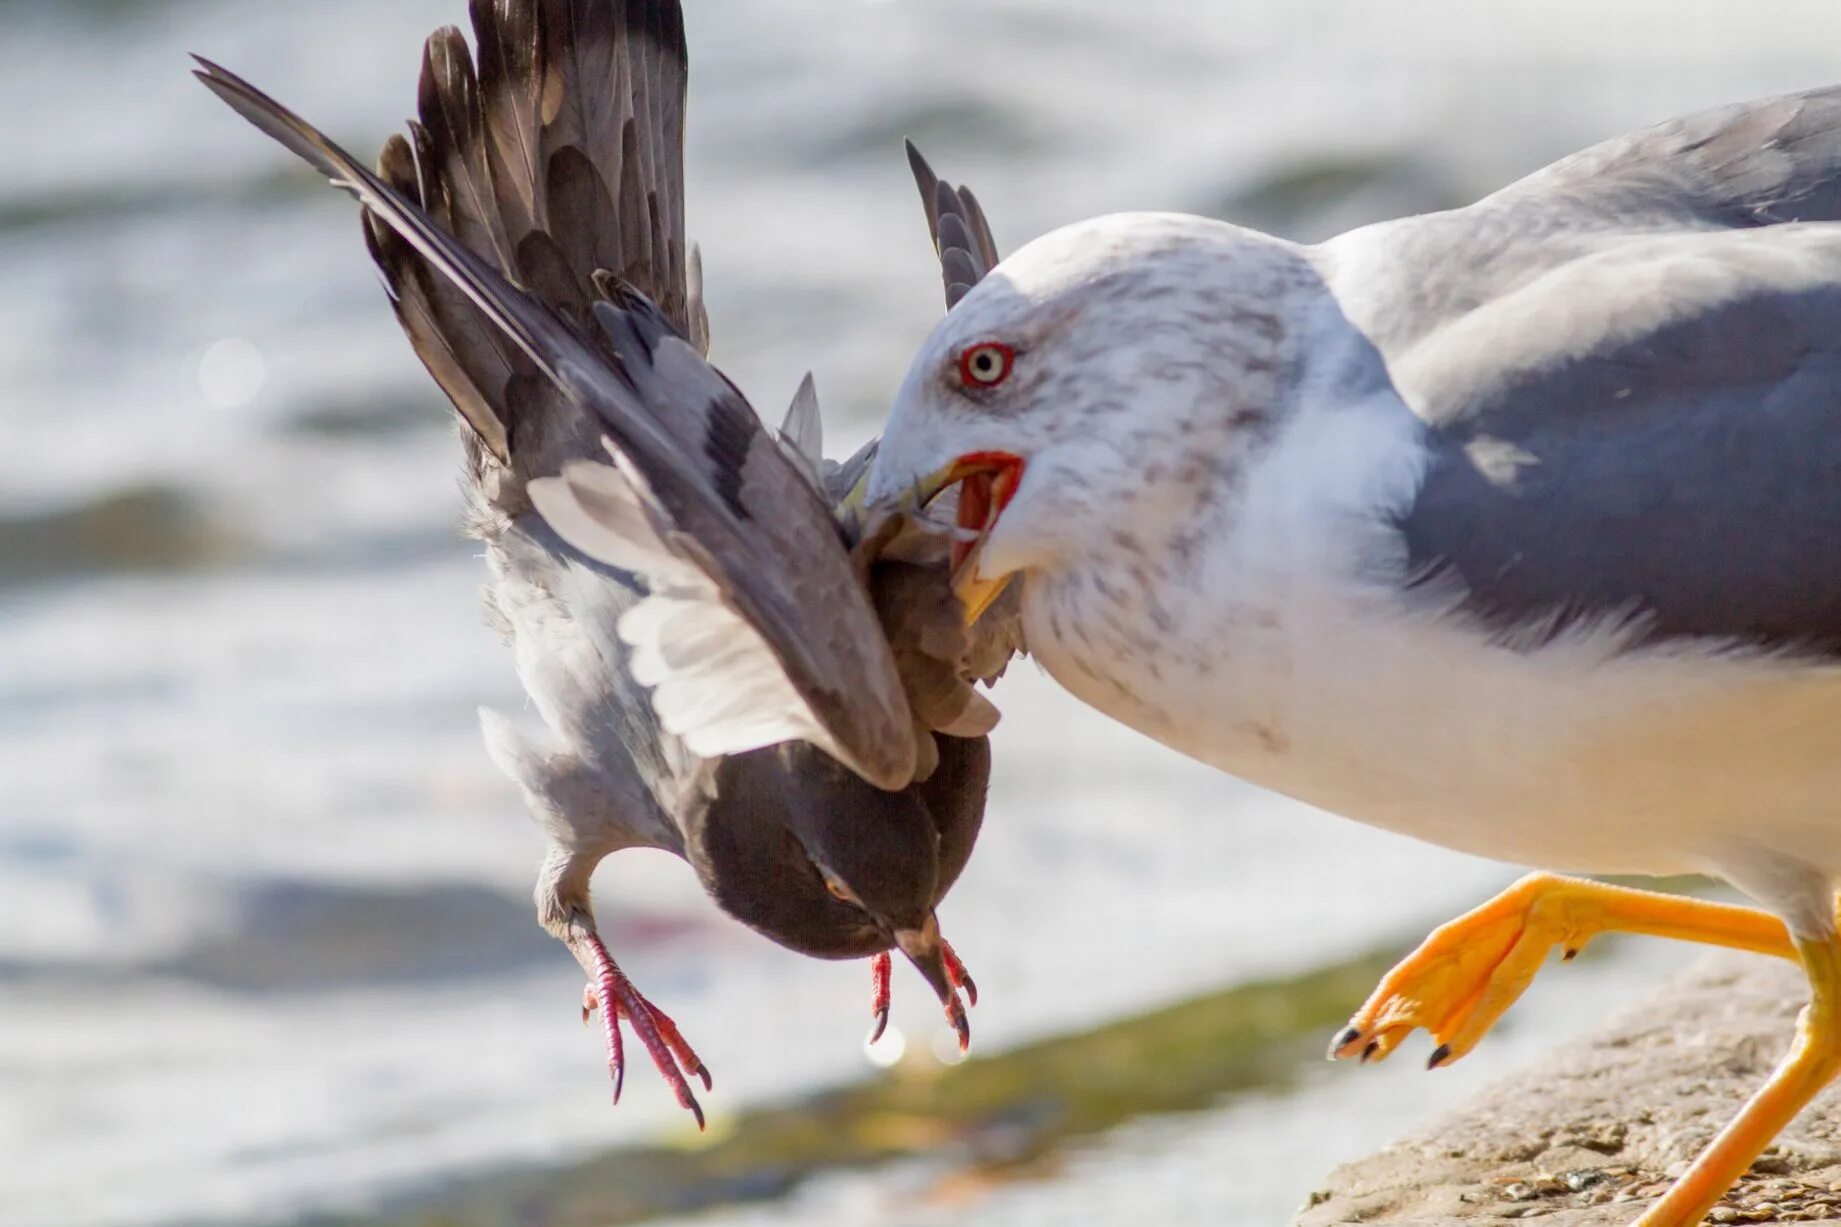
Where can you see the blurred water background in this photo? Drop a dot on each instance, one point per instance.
(266, 949)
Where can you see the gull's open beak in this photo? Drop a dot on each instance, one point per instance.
(928, 952)
(987, 482)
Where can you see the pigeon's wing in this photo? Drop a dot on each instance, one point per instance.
(759, 533)
(559, 156)
(1627, 366)
(557, 160)
(716, 489)
(961, 236)
(554, 156)
(612, 77)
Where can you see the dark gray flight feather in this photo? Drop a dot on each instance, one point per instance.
(961, 236)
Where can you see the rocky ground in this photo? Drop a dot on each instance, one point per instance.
(1592, 1135)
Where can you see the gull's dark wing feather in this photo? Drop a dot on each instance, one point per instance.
(961, 235)
(713, 486)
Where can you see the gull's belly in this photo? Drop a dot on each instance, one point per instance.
(1575, 756)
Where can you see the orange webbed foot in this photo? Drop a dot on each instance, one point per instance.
(1468, 973)
(1462, 978)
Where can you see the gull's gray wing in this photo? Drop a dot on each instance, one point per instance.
(1629, 365)
(738, 540)
(1747, 164)
(1735, 167)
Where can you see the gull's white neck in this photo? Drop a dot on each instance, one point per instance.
(1279, 642)
(1208, 640)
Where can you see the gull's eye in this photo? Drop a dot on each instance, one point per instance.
(986, 364)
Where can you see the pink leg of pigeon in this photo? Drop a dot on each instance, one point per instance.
(617, 999)
(961, 978)
(881, 969)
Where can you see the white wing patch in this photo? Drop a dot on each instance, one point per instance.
(714, 681)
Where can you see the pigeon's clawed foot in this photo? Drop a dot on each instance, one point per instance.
(616, 998)
(961, 979)
(881, 972)
(1470, 971)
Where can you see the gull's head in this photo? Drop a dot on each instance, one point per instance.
(1093, 388)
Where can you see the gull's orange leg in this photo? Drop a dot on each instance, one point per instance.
(1470, 971)
(1814, 1060)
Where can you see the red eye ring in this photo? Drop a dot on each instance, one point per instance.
(986, 364)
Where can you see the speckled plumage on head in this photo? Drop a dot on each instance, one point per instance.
(1149, 373)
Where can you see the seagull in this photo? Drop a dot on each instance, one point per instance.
(723, 668)
(1514, 528)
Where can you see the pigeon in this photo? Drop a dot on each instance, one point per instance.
(1510, 528)
(729, 661)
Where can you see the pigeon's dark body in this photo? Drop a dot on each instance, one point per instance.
(557, 163)
(740, 848)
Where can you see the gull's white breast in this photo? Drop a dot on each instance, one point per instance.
(1282, 646)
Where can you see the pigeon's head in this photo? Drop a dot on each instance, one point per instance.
(1099, 388)
(802, 850)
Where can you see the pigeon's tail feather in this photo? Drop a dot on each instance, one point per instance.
(510, 96)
